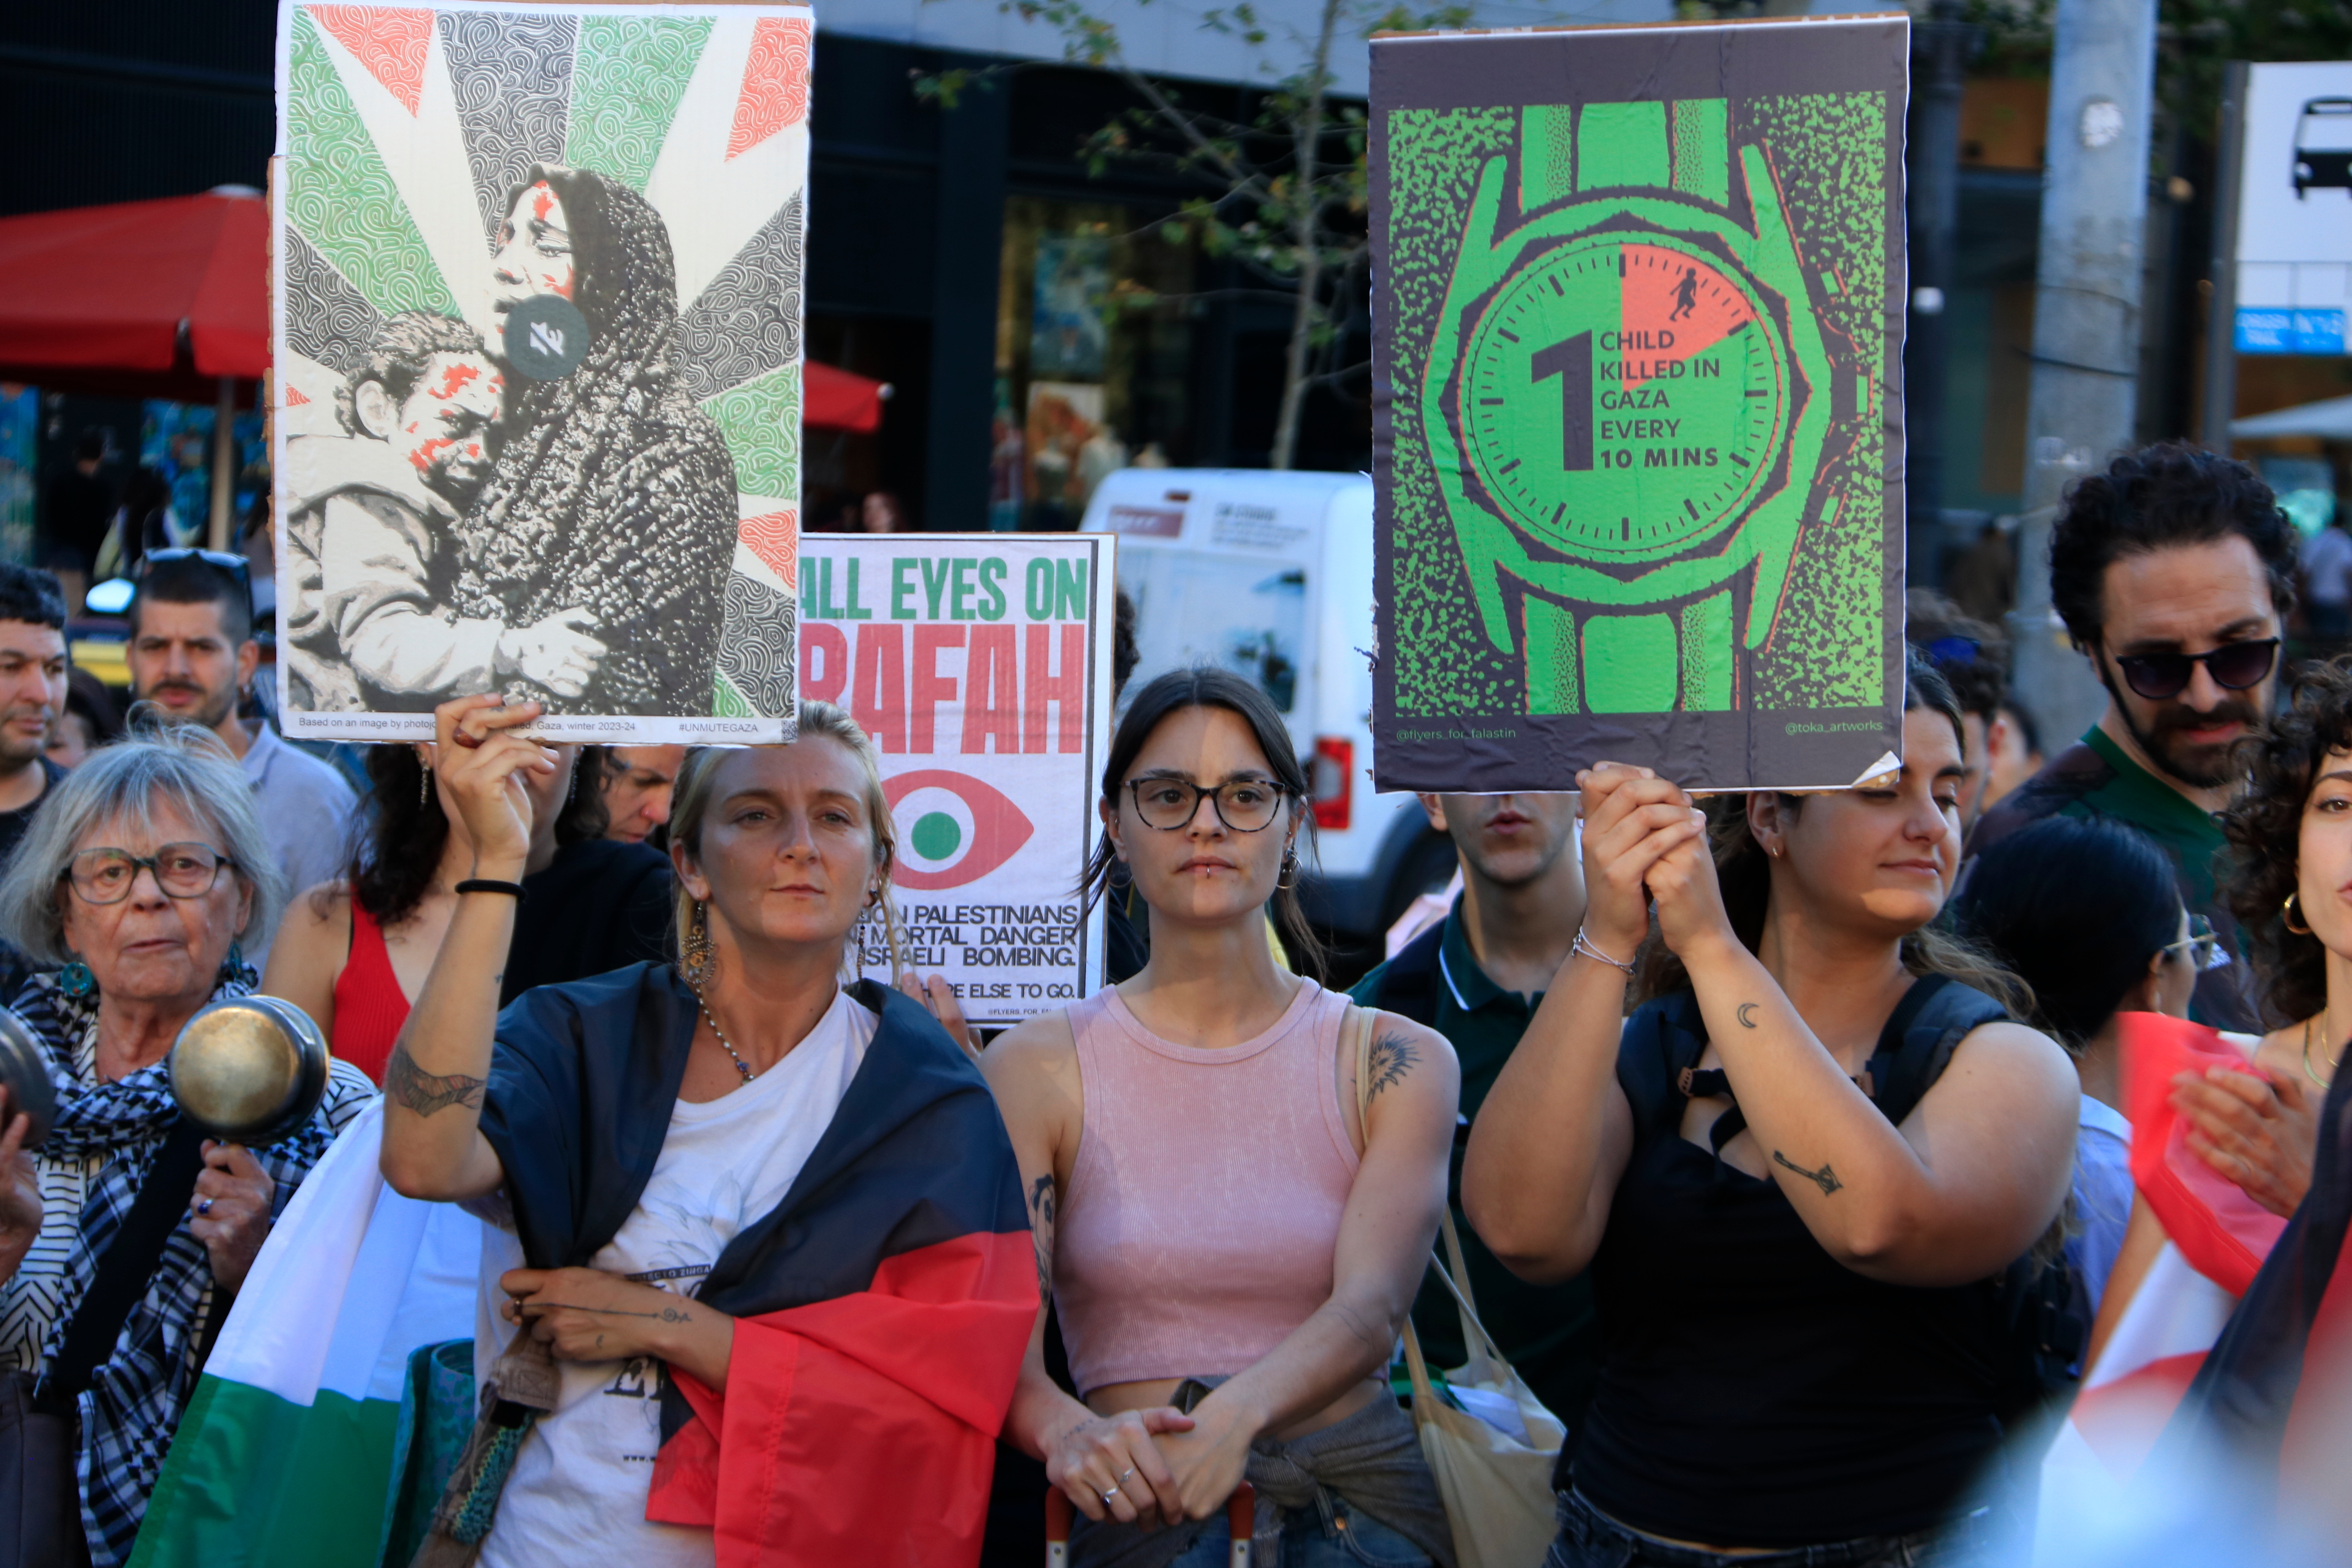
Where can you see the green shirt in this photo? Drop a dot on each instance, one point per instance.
(2098, 778)
(1549, 1331)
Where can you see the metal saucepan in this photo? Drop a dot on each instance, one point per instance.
(249, 1070)
(25, 1073)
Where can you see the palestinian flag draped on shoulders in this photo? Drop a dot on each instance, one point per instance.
(882, 1308)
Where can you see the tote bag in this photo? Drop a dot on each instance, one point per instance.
(1497, 1487)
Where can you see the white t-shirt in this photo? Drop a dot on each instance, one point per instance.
(581, 1479)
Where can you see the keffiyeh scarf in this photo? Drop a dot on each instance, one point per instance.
(106, 1140)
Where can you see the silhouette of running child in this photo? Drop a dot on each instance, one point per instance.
(1686, 295)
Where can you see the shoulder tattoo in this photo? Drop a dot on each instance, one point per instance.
(1392, 1056)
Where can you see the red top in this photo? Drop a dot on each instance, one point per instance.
(370, 1007)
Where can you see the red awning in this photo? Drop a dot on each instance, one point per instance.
(155, 298)
(162, 298)
(835, 400)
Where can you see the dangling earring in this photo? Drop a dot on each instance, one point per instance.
(2286, 917)
(1289, 868)
(695, 958)
(873, 895)
(76, 980)
(233, 966)
(424, 785)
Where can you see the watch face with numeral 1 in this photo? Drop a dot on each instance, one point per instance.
(1624, 395)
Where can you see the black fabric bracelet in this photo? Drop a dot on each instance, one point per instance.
(514, 890)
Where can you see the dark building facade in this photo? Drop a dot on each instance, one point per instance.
(934, 233)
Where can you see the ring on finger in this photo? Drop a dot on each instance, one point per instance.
(471, 742)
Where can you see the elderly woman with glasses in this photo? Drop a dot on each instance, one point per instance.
(138, 878)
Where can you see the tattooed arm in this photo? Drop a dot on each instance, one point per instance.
(1974, 1174)
(432, 1144)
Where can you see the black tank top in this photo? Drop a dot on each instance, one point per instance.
(1754, 1392)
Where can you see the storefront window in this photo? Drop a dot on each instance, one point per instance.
(1093, 352)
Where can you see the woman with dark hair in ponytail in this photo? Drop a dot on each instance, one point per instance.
(613, 502)
(1790, 1211)
(1234, 1248)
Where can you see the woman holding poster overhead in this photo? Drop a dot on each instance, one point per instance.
(1794, 1173)
(613, 502)
(762, 1233)
(1232, 1251)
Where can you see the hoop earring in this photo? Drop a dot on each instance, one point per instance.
(694, 956)
(2286, 917)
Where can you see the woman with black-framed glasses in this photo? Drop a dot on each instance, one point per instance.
(1233, 1247)
(135, 884)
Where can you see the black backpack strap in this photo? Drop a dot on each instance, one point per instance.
(1409, 982)
(1663, 1038)
(1933, 1017)
(129, 1265)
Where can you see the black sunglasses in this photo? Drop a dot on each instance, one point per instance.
(235, 565)
(2233, 666)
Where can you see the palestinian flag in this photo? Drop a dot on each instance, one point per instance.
(882, 1308)
(2271, 1406)
(284, 1455)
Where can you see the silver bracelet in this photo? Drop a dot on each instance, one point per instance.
(1583, 945)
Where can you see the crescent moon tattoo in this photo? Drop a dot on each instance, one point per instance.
(1744, 1021)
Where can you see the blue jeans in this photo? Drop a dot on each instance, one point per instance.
(1590, 1538)
(1313, 1538)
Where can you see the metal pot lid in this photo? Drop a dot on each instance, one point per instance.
(25, 1071)
(249, 1069)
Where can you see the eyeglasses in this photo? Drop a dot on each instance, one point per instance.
(2233, 666)
(182, 870)
(1244, 806)
(2205, 949)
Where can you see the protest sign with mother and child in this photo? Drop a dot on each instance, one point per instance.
(537, 360)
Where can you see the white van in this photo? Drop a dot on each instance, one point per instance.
(1271, 574)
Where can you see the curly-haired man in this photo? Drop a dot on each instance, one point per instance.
(2174, 571)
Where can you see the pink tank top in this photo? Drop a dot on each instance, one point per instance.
(1204, 1210)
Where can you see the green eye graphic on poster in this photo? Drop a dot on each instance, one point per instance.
(1641, 492)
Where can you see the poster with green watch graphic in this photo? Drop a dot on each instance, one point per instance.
(1638, 439)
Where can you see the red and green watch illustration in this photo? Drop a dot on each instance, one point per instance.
(1626, 402)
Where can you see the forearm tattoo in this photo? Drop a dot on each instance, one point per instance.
(1824, 1178)
(1392, 1056)
(405, 1083)
(1041, 1232)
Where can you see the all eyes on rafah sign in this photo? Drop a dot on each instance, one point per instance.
(1639, 344)
(981, 665)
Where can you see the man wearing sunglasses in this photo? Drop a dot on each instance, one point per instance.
(2174, 571)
